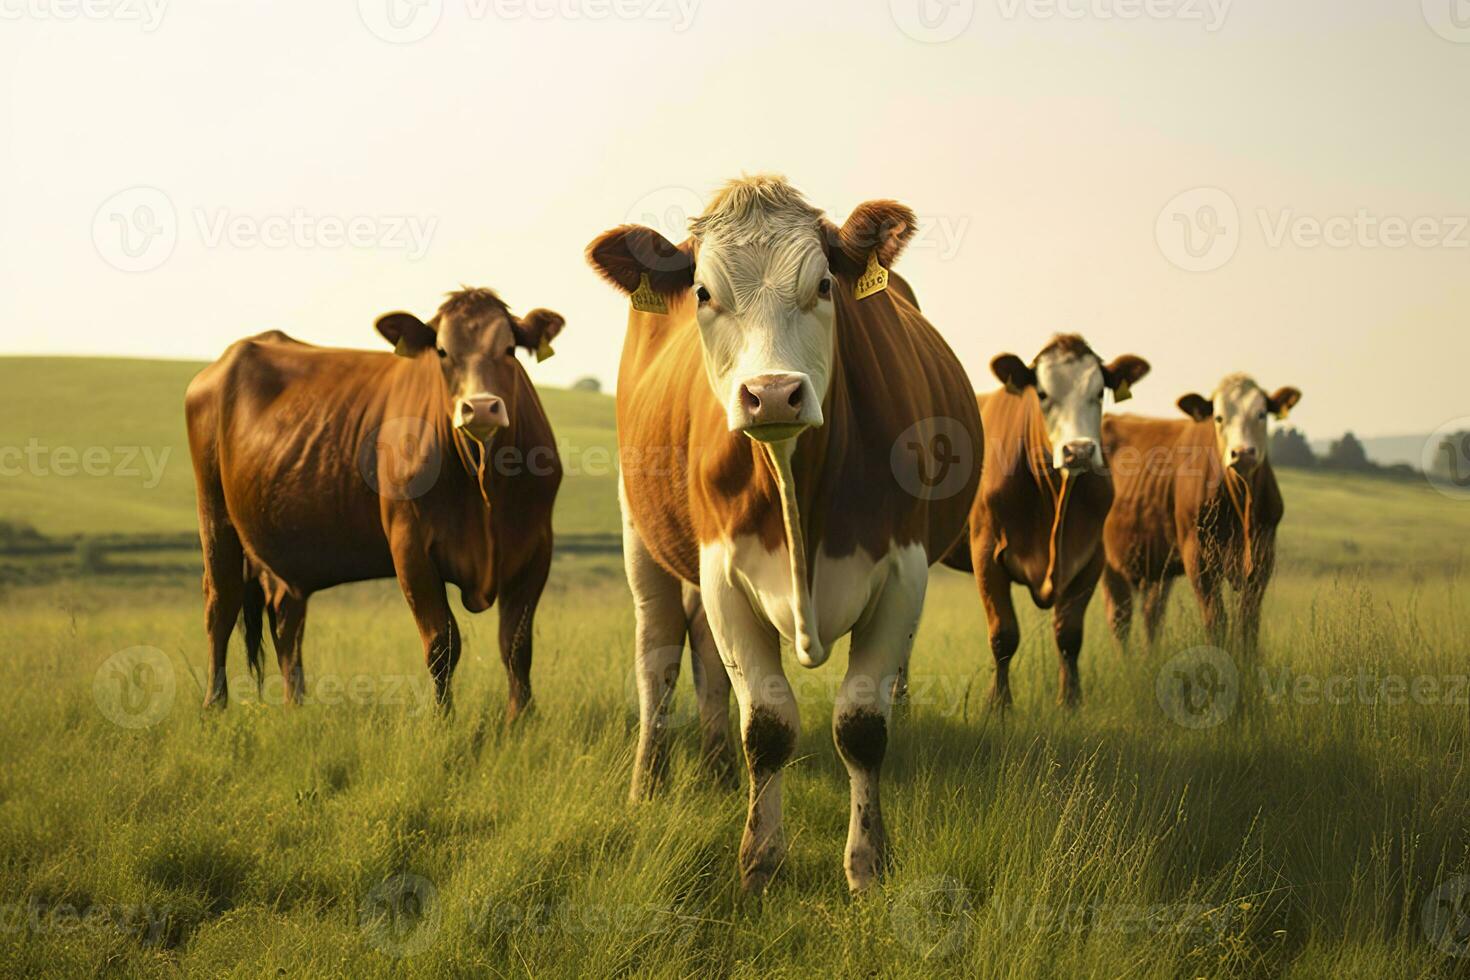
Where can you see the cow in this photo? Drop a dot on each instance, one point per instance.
(800, 445)
(1196, 497)
(1038, 518)
(317, 466)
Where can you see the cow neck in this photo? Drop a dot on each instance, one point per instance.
(1058, 487)
(1240, 492)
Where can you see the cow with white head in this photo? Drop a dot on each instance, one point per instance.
(774, 370)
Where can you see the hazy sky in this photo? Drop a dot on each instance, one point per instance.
(177, 175)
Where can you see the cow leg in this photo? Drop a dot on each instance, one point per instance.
(1252, 595)
(288, 624)
(518, 600)
(1068, 619)
(769, 720)
(224, 593)
(1155, 604)
(1000, 617)
(423, 587)
(880, 648)
(1205, 578)
(659, 628)
(712, 688)
(1120, 604)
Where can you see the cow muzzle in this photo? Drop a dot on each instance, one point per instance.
(774, 407)
(480, 416)
(1078, 456)
(1244, 459)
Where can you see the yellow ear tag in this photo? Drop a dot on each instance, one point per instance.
(873, 280)
(1012, 388)
(1123, 392)
(543, 350)
(645, 300)
(402, 349)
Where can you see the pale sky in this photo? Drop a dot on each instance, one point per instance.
(1042, 145)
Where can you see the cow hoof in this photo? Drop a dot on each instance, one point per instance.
(216, 702)
(864, 869)
(516, 712)
(758, 863)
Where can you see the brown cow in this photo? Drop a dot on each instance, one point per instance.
(1194, 497)
(1038, 518)
(779, 403)
(317, 466)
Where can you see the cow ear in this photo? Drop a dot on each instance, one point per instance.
(1283, 401)
(1013, 372)
(1197, 407)
(1123, 373)
(880, 228)
(536, 330)
(624, 255)
(407, 333)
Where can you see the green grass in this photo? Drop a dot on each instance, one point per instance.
(1299, 837)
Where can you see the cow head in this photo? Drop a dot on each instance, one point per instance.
(1239, 408)
(762, 263)
(474, 338)
(1069, 379)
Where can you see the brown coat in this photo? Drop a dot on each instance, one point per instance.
(319, 466)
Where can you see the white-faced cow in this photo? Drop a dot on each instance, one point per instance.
(774, 386)
(1038, 518)
(316, 466)
(1195, 497)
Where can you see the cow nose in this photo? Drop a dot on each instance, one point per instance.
(1077, 454)
(772, 398)
(481, 415)
(1243, 457)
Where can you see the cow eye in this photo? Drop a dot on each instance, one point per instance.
(703, 294)
(441, 352)
(1262, 415)
(824, 288)
(1041, 394)
(1219, 420)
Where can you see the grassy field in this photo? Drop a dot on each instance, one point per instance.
(1315, 822)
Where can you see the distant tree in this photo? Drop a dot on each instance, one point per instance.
(1347, 453)
(588, 383)
(1289, 447)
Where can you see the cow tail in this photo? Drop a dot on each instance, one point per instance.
(252, 615)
